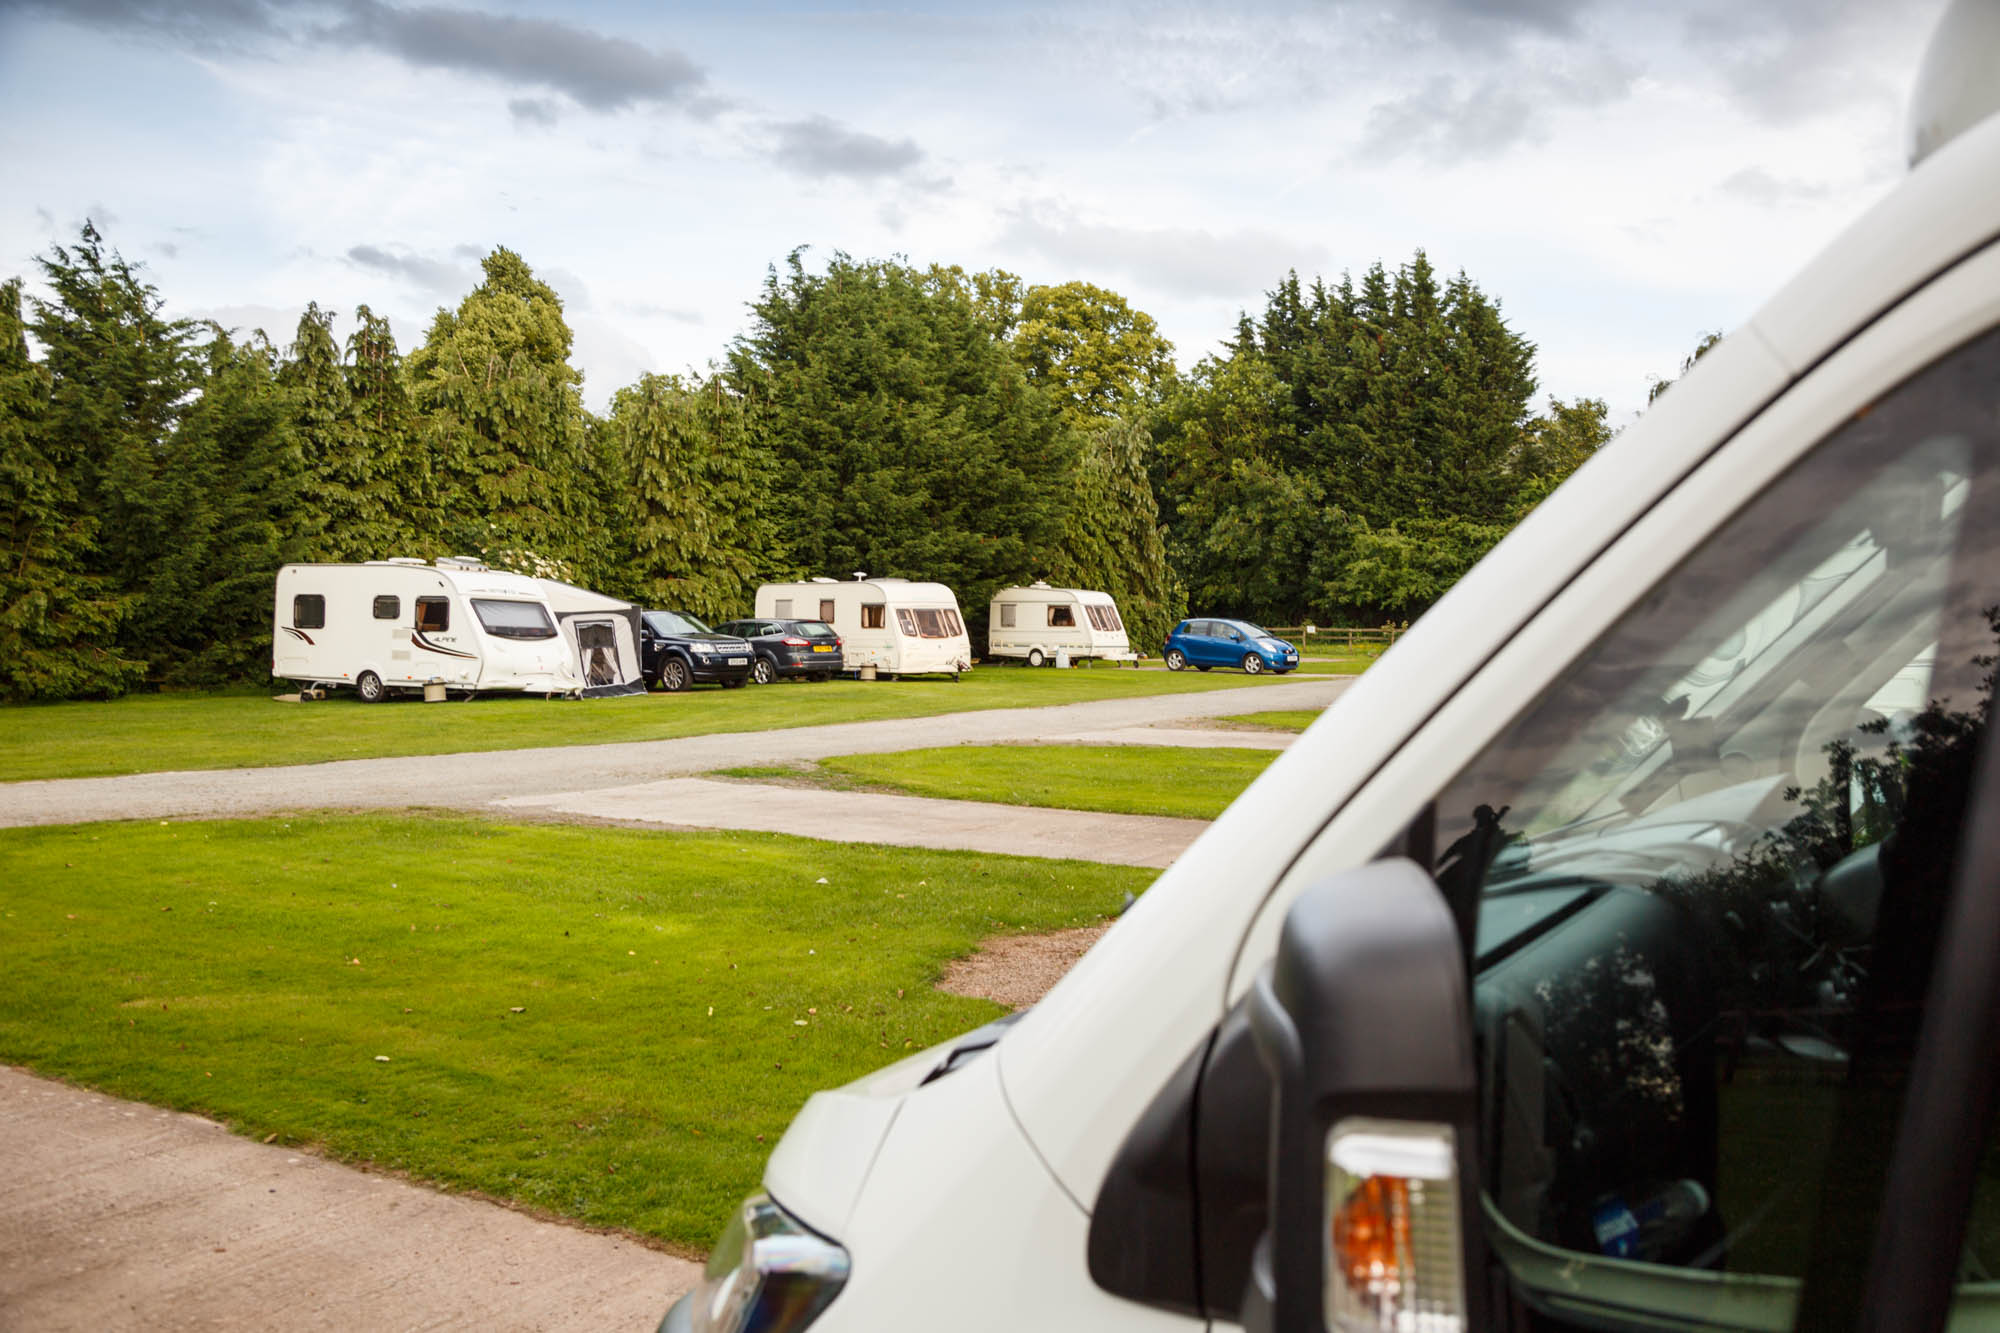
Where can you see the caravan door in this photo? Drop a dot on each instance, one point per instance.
(441, 648)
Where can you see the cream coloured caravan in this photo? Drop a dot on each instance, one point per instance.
(891, 626)
(389, 625)
(1035, 623)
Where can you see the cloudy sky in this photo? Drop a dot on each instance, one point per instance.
(1621, 176)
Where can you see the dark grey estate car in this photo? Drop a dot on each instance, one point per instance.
(789, 649)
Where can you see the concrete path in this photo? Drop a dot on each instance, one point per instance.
(474, 780)
(123, 1216)
(901, 821)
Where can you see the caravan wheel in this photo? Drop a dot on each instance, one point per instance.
(1035, 657)
(369, 686)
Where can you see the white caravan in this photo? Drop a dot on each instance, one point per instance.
(1035, 622)
(385, 625)
(897, 627)
(1561, 975)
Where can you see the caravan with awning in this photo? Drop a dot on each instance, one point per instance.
(388, 625)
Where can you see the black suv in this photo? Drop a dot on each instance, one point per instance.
(804, 649)
(676, 651)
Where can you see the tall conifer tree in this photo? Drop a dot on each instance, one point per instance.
(58, 625)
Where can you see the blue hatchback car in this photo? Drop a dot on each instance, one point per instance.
(1202, 644)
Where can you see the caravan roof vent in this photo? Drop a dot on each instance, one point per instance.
(821, 578)
(860, 575)
(1039, 584)
(397, 560)
(471, 564)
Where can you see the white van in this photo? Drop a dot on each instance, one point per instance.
(1618, 952)
(894, 626)
(1033, 623)
(385, 625)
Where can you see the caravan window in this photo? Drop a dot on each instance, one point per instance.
(871, 615)
(826, 609)
(1104, 618)
(1006, 615)
(433, 615)
(929, 622)
(784, 611)
(388, 608)
(513, 620)
(309, 611)
(1062, 617)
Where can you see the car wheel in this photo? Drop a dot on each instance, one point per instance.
(1253, 664)
(675, 676)
(369, 686)
(1176, 659)
(1035, 658)
(765, 671)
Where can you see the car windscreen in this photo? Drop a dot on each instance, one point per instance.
(816, 629)
(513, 620)
(672, 622)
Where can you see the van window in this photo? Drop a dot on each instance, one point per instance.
(825, 609)
(309, 611)
(388, 608)
(1709, 866)
(871, 615)
(1007, 615)
(1062, 616)
(433, 615)
(513, 620)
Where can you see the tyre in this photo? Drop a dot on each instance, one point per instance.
(1253, 664)
(1035, 657)
(765, 671)
(675, 676)
(370, 688)
(1176, 660)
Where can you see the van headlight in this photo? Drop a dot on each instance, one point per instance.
(769, 1274)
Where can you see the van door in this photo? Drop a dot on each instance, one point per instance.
(1704, 877)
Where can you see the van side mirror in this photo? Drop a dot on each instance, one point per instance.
(1363, 1023)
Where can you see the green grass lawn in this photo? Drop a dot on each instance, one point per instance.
(235, 729)
(608, 1024)
(1118, 779)
(1276, 719)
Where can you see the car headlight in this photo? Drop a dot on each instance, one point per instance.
(769, 1274)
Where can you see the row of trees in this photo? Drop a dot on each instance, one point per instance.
(1349, 453)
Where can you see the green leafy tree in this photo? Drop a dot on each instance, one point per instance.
(504, 419)
(696, 522)
(1089, 348)
(906, 438)
(58, 625)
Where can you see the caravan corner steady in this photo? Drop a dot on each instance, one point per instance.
(398, 625)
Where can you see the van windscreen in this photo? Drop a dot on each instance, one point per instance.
(513, 620)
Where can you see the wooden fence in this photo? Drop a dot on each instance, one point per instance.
(1324, 635)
